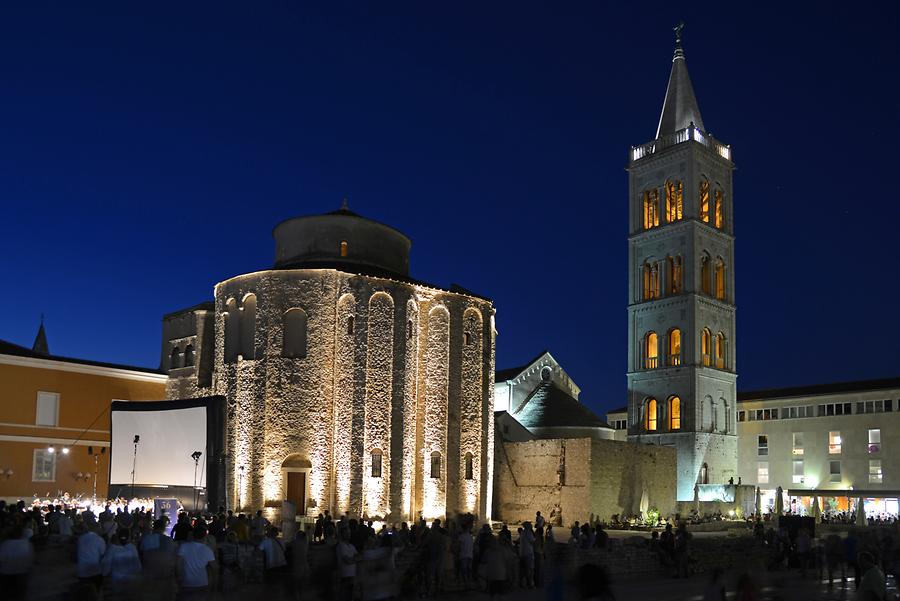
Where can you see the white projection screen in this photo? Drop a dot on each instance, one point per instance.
(168, 437)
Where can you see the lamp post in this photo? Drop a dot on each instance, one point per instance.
(196, 457)
(240, 486)
(96, 457)
(137, 439)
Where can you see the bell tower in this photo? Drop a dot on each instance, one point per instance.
(681, 312)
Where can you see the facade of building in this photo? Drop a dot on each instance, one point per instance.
(350, 386)
(681, 313)
(54, 419)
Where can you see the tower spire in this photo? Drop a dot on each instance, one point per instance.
(680, 108)
(40, 341)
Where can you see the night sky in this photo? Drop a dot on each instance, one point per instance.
(146, 155)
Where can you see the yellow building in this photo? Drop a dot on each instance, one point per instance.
(54, 413)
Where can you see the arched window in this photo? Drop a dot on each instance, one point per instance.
(651, 350)
(650, 415)
(704, 201)
(651, 208)
(720, 279)
(704, 474)
(467, 339)
(232, 318)
(705, 274)
(674, 413)
(469, 466)
(376, 463)
(189, 355)
(344, 248)
(350, 324)
(436, 464)
(675, 268)
(705, 346)
(294, 333)
(175, 359)
(674, 347)
(409, 329)
(720, 350)
(674, 201)
(651, 280)
(248, 327)
(719, 221)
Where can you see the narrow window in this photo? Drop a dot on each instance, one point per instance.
(762, 472)
(469, 466)
(834, 442)
(344, 247)
(44, 467)
(436, 465)
(650, 418)
(175, 359)
(798, 471)
(376, 463)
(762, 445)
(720, 210)
(704, 275)
(189, 355)
(675, 413)
(294, 333)
(704, 201)
(834, 471)
(350, 324)
(675, 347)
(651, 351)
(467, 339)
(875, 476)
(232, 318)
(409, 329)
(705, 343)
(720, 279)
(797, 448)
(874, 440)
(651, 209)
(674, 201)
(675, 267)
(47, 409)
(720, 350)
(248, 327)
(704, 474)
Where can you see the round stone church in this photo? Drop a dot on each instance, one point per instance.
(349, 386)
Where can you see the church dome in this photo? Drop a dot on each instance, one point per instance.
(341, 240)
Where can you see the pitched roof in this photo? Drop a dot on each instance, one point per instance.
(502, 375)
(819, 389)
(551, 407)
(40, 341)
(680, 107)
(8, 348)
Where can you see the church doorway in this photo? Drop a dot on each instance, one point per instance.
(296, 490)
(295, 471)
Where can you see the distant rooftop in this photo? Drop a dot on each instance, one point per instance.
(820, 389)
(9, 348)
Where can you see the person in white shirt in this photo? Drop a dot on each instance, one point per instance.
(346, 560)
(121, 565)
(196, 566)
(89, 550)
(16, 559)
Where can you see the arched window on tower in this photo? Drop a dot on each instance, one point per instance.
(719, 220)
(651, 280)
(175, 359)
(674, 201)
(704, 201)
(436, 464)
(675, 268)
(469, 463)
(704, 474)
(674, 347)
(674, 413)
(248, 327)
(705, 346)
(294, 333)
(651, 208)
(720, 350)
(650, 415)
(409, 329)
(344, 248)
(376, 463)
(349, 324)
(705, 274)
(720, 279)
(651, 351)
(189, 355)
(232, 318)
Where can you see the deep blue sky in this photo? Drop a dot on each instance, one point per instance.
(147, 150)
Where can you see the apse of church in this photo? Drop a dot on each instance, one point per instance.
(349, 385)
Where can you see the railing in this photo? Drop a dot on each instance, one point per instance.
(705, 360)
(675, 360)
(651, 362)
(689, 133)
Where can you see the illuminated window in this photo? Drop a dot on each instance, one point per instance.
(344, 247)
(762, 472)
(675, 347)
(798, 443)
(720, 210)
(834, 442)
(175, 359)
(704, 274)
(674, 201)
(376, 463)
(675, 267)
(349, 324)
(875, 476)
(651, 351)
(705, 344)
(674, 413)
(720, 279)
(435, 465)
(469, 466)
(875, 440)
(720, 351)
(651, 209)
(704, 201)
(834, 471)
(44, 468)
(651, 281)
(650, 417)
(189, 355)
(294, 334)
(762, 445)
(798, 471)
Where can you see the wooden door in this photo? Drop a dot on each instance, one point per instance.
(296, 490)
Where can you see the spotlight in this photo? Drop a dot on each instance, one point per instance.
(137, 438)
(196, 455)
(65, 450)
(50, 449)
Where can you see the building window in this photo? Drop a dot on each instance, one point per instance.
(762, 445)
(834, 471)
(189, 355)
(798, 472)
(44, 469)
(704, 474)
(674, 347)
(704, 274)
(650, 417)
(376, 463)
(232, 319)
(875, 476)
(720, 210)
(720, 352)
(705, 343)
(436, 465)
(835, 409)
(742, 416)
(409, 329)
(720, 279)
(874, 440)
(175, 359)
(47, 409)
(350, 324)
(651, 209)
(467, 339)
(651, 281)
(294, 333)
(704, 201)
(248, 327)
(676, 273)
(874, 406)
(798, 443)
(762, 472)
(674, 201)
(674, 413)
(651, 351)
(344, 248)
(834, 443)
(469, 467)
